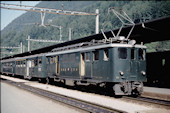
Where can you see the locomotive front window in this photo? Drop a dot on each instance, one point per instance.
(122, 52)
(141, 54)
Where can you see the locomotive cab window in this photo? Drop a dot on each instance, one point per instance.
(141, 54)
(122, 53)
(87, 56)
(106, 55)
(96, 55)
(132, 53)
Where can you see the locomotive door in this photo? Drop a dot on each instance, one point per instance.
(133, 64)
(88, 65)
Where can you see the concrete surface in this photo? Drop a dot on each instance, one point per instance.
(157, 93)
(15, 100)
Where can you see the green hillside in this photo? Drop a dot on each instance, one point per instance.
(139, 11)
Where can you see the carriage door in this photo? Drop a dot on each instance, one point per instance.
(57, 64)
(28, 66)
(82, 65)
(133, 64)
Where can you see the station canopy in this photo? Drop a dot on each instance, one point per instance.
(150, 31)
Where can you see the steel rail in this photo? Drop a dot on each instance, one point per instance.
(156, 102)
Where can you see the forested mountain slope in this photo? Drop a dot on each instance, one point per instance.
(140, 11)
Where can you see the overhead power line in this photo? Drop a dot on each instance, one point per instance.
(37, 40)
(44, 10)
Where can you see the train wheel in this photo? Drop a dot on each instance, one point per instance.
(51, 81)
(47, 80)
(135, 93)
(27, 77)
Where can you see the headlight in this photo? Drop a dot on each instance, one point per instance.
(121, 73)
(143, 72)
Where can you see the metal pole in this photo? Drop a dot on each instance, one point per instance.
(42, 17)
(69, 33)
(97, 21)
(28, 43)
(60, 33)
(21, 46)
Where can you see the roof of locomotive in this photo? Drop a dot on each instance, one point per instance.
(93, 47)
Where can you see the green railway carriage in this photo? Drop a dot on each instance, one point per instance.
(120, 65)
(20, 66)
(35, 66)
(8, 66)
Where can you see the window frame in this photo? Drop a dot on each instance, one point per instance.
(134, 54)
(106, 56)
(120, 55)
(87, 55)
(143, 54)
(96, 53)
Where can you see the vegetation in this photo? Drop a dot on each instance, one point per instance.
(139, 11)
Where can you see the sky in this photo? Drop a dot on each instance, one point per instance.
(7, 16)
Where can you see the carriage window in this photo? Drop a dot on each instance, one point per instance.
(24, 63)
(65, 58)
(87, 56)
(122, 53)
(51, 60)
(72, 57)
(141, 54)
(10, 64)
(32, 63)
(16, 64)
(39, 61)
(132, 53)
(20, 63)
(106, 54)
(96, 55)
(47, 60)
(56, 59)
(36, 62)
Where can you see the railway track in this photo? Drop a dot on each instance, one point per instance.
(149, 101)
(78, 104)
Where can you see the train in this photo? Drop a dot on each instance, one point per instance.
(119, 65)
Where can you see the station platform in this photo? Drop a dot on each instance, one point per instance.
(102, 100)
(150, 92)
(157, 93)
